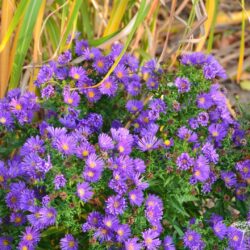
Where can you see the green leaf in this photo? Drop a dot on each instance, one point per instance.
(72, 18)
(14, 22)
(54, 33)
(87, 26)
(24, 40)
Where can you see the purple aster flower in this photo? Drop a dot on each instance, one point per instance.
(100, 64)
(92, 94)
(157, 105)
(136, 197)
(123, 232)
(45, 74)
(201, 169)
(94, 220)
(116, 205)
(244, 168)
(134, 106)
(139, 165)
(12, 200)
(148, 143)
(103, 234)
(109, 87)
(151, 240)
(68, 243)
(105, 142)
(168, 243)
(193, 123)
(215, 218)
(192, 240)
(84, 150)
(229, 178)
(5, 243)
(65, 144)
(220, 230)
(31, 236)
(111, 222)
(48, 91)
(3, 173)
(134, 88)
(33, 145)
(184, 161)
(217, 131)
(238, 137)
(124, 147)
(47, 216)
(84, 191)
(154, 215)
(94, 162)
(59, 181)
(18, 219)
(5, 118)
(64, 58)
(78, 73)
(92, 175)
(81, 45)
(187, 134)
(235, 237)
(46, 200)
(23, 245)
(121, 73)
(72, 98)
(27, 200)
(213, 69)
(203, 119)
(204, 101)
(152, 83)
(154, 201)
(168, 143)
(182, 84)
(133, 244)
(210, 153)
(241, 191)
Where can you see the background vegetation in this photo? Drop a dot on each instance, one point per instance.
(35, 31)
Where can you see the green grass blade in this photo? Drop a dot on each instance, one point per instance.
(86, 21)
(24, 39)
(14, 22)
(211, 33)
(72, 18)
(53, 32)
(141, 14)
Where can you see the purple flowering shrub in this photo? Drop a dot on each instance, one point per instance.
(145, 160)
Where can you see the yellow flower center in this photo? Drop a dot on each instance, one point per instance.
(190, 237)
(202, 100)
(3, 120)
(136, 125)
(119, 74)
(152, 84)
(18, 107)
(108, 223)
(91, 94)
(85, 153)
(29, 237)
(227, 180)
(13, 199)
(121, 149)
(133, 197)
(65, 147)
(70, 100)
(134, 108)
(108, 85)
(1, 178)
(197, 173)
(148, 241)
(90, 174)
(71, 243)
(116, 204)
(215, 134)
(49, 215)
(245, 170)
(235, 238)
(117, 177)
(167, 142)
(76, 76)
(24, 248)
(120, 232)
(131, 247)
(81, 191)
(92, 164)
(18, 219)
(5, 243)
(100, 64)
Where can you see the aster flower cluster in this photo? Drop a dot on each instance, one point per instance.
(121, 163)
